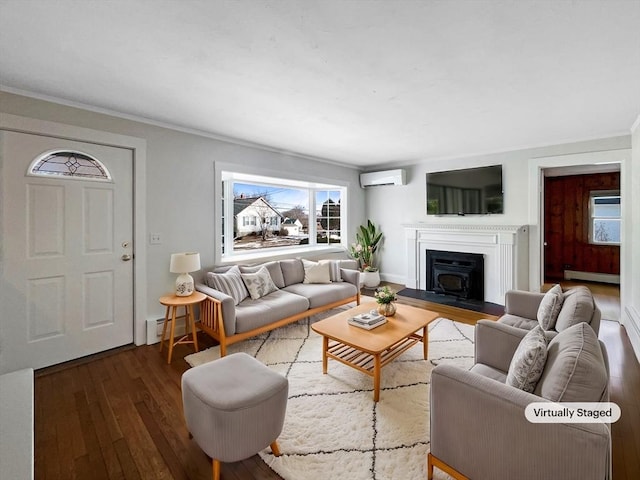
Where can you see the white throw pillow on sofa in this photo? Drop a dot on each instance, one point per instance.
(315, 272)
(334, 270)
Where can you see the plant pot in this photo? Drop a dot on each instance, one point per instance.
(370, 279)
(386, 309)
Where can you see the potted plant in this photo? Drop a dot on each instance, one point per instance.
(385, 298)
(363, 250)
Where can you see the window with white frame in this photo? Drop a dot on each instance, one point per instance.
(257, 210)
(604, 211)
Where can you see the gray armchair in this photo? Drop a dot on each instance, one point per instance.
(521, 308)
(478, 426)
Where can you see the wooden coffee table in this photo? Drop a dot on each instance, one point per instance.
(370, 350)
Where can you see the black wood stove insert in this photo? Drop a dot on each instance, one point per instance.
(455, 273)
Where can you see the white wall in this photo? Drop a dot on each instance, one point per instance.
(391, 207)
(184, 163)
(630, 273)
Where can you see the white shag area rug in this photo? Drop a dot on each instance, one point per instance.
(333, 428)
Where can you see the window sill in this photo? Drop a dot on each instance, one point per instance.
(278, 254)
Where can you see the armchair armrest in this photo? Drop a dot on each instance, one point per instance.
(479, 428)
(495, 343)
(351, 276)
(523, 304)
(228, 306)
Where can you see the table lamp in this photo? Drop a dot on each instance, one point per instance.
(183, 263)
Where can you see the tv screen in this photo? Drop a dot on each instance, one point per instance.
(470, 191)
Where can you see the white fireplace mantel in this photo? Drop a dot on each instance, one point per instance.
(505, 249)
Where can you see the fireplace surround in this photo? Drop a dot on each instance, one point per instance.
(505, 249)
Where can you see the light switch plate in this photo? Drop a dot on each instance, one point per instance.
(155, 239)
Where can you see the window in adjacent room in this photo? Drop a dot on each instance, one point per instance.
(604, 211)
(274, 213)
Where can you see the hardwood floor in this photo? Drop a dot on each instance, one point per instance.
(118, 415)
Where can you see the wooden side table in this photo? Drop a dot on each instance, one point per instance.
(173, 302)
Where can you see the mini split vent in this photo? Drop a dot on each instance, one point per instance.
(387, 177)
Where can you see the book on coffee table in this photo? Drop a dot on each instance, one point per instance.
(368, 317)
(367, 320)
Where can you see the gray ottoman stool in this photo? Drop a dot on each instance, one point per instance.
(234, 407)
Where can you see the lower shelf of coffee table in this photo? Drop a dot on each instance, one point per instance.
(365, 362)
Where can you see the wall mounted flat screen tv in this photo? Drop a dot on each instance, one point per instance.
(470, 191)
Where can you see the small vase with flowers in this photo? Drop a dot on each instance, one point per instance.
(385, 297)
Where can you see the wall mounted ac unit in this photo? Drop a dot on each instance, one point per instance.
(387, 177)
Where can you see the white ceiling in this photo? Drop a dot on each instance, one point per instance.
(359, 82)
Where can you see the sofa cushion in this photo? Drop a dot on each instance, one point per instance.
(575, 370)
(518, 322)
(578, 306)
(292, 271)
(315, 272)
(259, 284)
(528, 361)
(275, 306)
(320, 295)
(489, 372)
(334, 270)
(230, 283)
(274, 270)
(550, 307)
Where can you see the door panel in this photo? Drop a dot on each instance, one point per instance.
(65, 290)
(45, 309)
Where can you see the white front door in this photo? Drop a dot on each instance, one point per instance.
(66, 255)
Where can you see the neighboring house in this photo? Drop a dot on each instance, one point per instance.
(293, 226)
(250, 213)
(330, 215)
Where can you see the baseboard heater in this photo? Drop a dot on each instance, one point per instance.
(592, 277)
(154, 329)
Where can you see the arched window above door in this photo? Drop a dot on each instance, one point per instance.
(68, 163)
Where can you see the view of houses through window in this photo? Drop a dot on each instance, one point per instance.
(273, 215)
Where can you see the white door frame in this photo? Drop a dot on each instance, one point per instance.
(138, 146)
(536, 196)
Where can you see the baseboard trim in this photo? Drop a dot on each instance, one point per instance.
(386, 277)
(592, 277)
(631, 322)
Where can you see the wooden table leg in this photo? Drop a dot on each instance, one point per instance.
(192, 322)
(425, 342)
(186, 322)
(325, 348)
(376, 378)
(164, 327)
(172, 332)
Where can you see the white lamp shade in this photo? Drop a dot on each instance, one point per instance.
(184, 262)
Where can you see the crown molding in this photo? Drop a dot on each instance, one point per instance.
(170, 126)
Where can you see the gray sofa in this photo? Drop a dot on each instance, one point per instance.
(521, 309)
(478, 424)
(229, 321)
